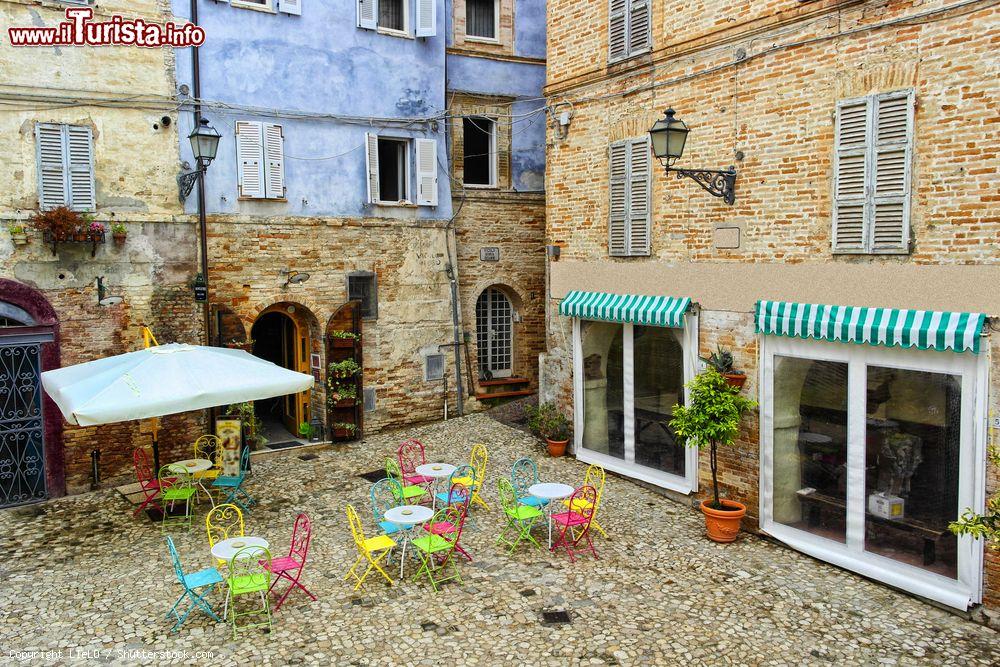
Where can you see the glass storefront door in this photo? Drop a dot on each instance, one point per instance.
(868, 453)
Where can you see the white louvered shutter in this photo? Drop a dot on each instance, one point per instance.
(850, 175)
(618, 207)
(893, 122)
(52, 182)
(250, 159)
(80, 164)
(639, 25)
(617, 29)
(426, 18)
(368, 14)
(638, 197)
(427, 182)
(291, 7)
(274, 161)
(371, 166)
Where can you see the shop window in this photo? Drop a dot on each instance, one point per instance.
(603, 388)
(658, 360)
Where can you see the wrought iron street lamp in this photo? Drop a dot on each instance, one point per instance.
(204, 145)
(667, 137)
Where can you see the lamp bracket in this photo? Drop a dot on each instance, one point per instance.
(715, 182)
(187, 180)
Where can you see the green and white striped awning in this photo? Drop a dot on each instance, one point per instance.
(889, 327)
(661, 311)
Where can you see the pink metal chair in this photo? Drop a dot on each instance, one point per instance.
(575, 534)
(149, 485)
(411, 455)
(459, 497)
(290, 567)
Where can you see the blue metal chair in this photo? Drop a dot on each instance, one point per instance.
(454, 495)
(385, 495)
(191, 583)
(233, 486)
(523, 474)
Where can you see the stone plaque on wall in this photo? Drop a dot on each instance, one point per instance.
(489, 254)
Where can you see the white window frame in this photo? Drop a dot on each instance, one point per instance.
(247, 4)
(959, 593)
(494, 162)
(407, 27)
(405, 173)
(686, 484)
(496, 26)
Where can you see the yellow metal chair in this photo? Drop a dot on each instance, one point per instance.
(223, 522)
(594, 477)
(478, 459)
(209, 447)
(372, 549)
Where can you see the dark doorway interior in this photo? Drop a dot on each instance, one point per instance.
(274, 340)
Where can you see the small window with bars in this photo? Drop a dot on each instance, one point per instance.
(362, 286)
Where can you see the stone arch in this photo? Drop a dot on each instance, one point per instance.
(44, 315)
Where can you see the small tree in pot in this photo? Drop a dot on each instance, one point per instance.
(547, 422)
(712, 418)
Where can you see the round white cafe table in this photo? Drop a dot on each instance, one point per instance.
(407, 516)
(191, 466)
(226, 549)
(550, 491)
(436, 471)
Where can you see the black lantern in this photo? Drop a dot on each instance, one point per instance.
(204, 143)
(667, 138)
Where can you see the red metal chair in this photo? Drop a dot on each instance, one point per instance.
(459, 497)
(576, 523)
(149, 485)
(290, 567)
(411, 455)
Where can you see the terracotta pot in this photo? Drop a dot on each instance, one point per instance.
(723, 525)
(119, 239)
(80, 236)
(556, 447)
(344, 403)
(735, 379)
(343, 342)
(342, 433)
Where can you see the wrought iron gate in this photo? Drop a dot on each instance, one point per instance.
(22, 465)
(494, 333)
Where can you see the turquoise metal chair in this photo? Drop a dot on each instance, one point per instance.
(457, 492)
(523, 474)
(233, 486)
(192, 583)
(385, 495)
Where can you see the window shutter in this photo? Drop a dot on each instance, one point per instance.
(890, 224)
(249, 158)
(80, 161)
(638, 27)
(618, 218)
(371, 166)
(638, 198)
(291, 7)
(52, 180)
(368, 14)
(427, 182)
(274, 156)
(850, 194)
(426, 19)
(617, 29)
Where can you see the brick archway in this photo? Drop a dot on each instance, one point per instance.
(35, 304)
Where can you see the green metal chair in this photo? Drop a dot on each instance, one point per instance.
(176, 487)
(249, 578)
(437, 552)
(520, 518)
(411, 492)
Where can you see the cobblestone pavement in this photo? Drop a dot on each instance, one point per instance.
(82, 580)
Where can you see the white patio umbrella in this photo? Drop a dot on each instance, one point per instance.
(164, 380)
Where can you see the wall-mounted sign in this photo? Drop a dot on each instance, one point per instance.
(489, 254)
(229, 431)
(200, 289)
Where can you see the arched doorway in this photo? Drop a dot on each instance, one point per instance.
(495, 334)
(281, 339)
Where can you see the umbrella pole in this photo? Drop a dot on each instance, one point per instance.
(156, 445)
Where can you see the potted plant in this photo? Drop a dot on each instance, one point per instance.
(305, 430)
(343, 338)
(95, 232)
(712, 419)
(252, 426)
(56, 224)
(344, 429)
(548, 423)
(119, 232)
(722, 361)
(342, 395)
(237, 344)
(17, 233)
(343, 369)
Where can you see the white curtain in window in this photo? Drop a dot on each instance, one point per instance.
(480, 18)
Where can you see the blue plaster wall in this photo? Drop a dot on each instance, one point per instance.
(321, 63)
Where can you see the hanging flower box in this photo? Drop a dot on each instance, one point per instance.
(343, 339)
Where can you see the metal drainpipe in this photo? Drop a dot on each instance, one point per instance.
(202, 219)
(456, 327)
